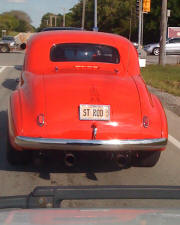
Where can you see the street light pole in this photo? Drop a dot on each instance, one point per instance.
(64, 18)
(50, 21)
(142, 28)
(130, 23)
(95, 16)
(83, 14)
(140, 24)
(162, 55)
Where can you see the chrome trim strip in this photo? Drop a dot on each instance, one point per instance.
(88, 145)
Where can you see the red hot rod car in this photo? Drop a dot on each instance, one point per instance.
(83, 90)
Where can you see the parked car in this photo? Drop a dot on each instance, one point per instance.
(60, 28)
(9, 39)
(82, 91)
(172, 47)
(7, 43)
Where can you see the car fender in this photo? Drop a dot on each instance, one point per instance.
(31, 92)
(164, 124)
(14, 117)
(152, 108)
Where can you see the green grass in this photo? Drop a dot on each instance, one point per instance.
(12, 33)
(166, 78)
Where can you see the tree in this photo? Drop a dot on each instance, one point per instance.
(119, 16)
(174, 6)
(17, 21)
(20, 15)
(8, 22)
(113, 15)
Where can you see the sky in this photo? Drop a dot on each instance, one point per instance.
(37, 8)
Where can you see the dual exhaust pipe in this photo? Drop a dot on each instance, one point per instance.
(121, 159)
(69, 159)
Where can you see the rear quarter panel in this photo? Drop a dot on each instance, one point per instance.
(151, 107)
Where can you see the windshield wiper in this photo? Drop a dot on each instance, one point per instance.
(52, 196)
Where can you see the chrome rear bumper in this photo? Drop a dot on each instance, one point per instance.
(90, 145)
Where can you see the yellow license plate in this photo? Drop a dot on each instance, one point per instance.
(94, 112)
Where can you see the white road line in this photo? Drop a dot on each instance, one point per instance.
(2, 69)
(7, 66)
(174, 141)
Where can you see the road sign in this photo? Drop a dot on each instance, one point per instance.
(173, 32)
(146, 6)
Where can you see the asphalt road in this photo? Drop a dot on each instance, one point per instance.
(91, 170)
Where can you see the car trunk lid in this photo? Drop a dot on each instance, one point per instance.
(65, 92)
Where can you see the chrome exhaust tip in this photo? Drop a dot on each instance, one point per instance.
(69, 159)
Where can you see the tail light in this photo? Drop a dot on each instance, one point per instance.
(40, 120)
(145, 122)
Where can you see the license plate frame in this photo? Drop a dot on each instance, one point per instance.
(94, 112)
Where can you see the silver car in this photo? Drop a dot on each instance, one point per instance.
(9, 40)
(172, 47)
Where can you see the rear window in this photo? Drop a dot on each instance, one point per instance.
(83, 52)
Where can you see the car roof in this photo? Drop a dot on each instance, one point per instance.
(39, 45)
(71, 36)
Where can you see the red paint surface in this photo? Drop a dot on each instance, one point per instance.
(57, 94)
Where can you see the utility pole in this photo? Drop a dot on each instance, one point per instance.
(83, 14)
(130, 23)
(64, 19)
(50, 21)
(162, 56)
(142, 28)
(53, 21)
(140, 24)
(95, 16)
(55, 17)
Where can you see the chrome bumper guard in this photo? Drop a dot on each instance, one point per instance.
(90, 145)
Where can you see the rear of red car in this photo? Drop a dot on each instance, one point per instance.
(85, 94)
